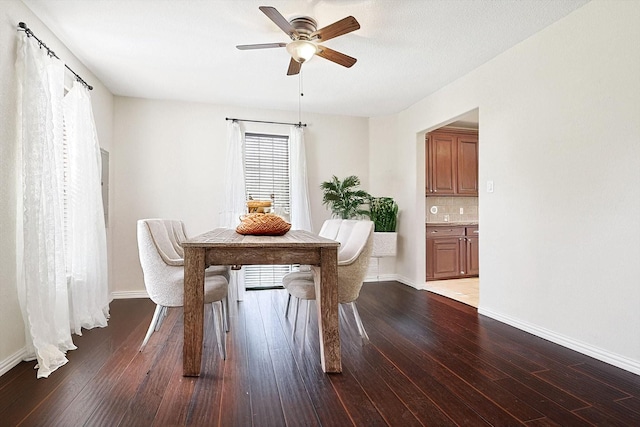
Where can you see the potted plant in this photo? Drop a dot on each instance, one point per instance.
(343, 197)
(383, 211)
(346, 201)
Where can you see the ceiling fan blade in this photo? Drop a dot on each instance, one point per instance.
(279, 20)
(260, 46)
(294, 67)
(335, 56)
(343, 26)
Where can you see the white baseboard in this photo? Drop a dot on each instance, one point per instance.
(129, 294)
(380, 278)
(595, 352)
(10, 362)
(409, 282)
(406, 281)
(395, 277)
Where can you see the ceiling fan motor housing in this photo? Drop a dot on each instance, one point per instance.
(304, 25)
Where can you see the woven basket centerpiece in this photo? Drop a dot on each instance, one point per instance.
(258, 206)
(263, 224)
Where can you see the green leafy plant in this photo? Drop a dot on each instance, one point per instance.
(383, 211)
(343, 197)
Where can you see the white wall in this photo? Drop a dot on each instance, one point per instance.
(559, 133)
(169, 162)
(11, 12)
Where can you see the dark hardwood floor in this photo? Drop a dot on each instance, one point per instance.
(430, 361)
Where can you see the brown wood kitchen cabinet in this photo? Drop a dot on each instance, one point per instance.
(441, 164)
(430, 249)
(452, 251)
(471, 255)
(452, 163)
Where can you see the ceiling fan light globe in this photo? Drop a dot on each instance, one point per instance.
(302, 50)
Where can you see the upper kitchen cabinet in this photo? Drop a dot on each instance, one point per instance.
(452, 163)
(442, 153)
(467, 165)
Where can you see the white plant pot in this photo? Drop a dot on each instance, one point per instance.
(384, 244)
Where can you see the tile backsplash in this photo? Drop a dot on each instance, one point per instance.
(451, 206)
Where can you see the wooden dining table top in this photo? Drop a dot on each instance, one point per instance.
(228, 237)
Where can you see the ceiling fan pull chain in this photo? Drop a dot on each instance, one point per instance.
(301, 94)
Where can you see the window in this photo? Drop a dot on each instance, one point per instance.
(266, 162)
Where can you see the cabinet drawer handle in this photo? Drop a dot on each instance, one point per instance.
(436, 231)
(476, 231)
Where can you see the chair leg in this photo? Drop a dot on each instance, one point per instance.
(306, 322)
(225, 311)
(286, 310)
(154, 321)
(363, 333)
(295, 320)
(163, 314)
(341, 314)
(216, 306)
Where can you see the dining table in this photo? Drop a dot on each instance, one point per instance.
(224, 246)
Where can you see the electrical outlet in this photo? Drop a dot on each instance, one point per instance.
(446, 218)
(489, 186)
(461, 211)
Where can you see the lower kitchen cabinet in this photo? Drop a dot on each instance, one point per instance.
(430, 249)
(446, 258)
(471, 255)
(452, 252)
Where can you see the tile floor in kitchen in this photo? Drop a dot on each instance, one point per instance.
(463, 290)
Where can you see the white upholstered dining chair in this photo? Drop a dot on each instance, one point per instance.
(162, 261)
(356, 244)
(329, 230)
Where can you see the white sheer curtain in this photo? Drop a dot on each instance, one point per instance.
(299, 188)
(42, 284)
(86, 242)
(234, 202)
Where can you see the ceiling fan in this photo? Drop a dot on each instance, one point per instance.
(304, 37)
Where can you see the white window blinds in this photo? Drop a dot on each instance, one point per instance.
(267, 169)
(266, 162)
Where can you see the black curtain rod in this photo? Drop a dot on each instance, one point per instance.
(23, 27)
(299, 124)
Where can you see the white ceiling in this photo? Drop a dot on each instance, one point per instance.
(185, 49)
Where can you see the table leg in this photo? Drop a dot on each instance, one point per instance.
(193, 311)
(327, 299)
